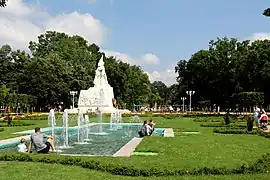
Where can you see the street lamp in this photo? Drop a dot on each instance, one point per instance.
(183, 99)
(73, 93)
(190, 93)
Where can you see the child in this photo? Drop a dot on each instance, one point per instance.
(22, 146)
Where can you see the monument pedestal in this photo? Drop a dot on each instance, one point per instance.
(100, 96)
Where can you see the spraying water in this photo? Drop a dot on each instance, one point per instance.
(81, 129)
(65, 128)
(51, 122)
(86, 122)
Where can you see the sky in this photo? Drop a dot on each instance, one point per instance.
(154, 34)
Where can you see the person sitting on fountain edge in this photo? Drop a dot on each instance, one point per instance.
(152, 125)
(38, 140)
(146, 129)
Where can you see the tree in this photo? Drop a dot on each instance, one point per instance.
(266, 12)
(3, 3)
(226, 68)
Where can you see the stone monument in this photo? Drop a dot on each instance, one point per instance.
(101, 96)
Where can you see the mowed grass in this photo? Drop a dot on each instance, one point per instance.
(24, 170)
(185, 151)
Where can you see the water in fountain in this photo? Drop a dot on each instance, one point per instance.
(100, 128)
(86, 126)
(51, 122)
(65, 130)
(81, 131)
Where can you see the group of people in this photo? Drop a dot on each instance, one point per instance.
(147, 128)
(261, 118)
(41, 142)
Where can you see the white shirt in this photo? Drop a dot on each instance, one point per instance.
(22, 148)
(148, 129)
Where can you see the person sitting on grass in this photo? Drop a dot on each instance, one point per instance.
(38, 140)
(22, 147)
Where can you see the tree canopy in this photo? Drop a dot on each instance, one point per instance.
(3, 3)
(60, 63)
(228, 67)
(266, 12)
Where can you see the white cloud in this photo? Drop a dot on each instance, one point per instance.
(145, 59)
(20, 23)
(259, 36)
(168, 76)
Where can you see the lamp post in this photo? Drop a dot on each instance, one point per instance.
(73, 93)
(183, 99)
(190, 93)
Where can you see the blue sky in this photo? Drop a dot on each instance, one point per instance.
(170, 29)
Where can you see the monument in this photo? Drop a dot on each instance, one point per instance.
(101, 96)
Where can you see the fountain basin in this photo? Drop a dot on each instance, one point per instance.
(98, 145)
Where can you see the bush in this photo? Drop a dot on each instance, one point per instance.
(250, 121)
(265, 134)
(15, 123)
(262, 165)
(228, 130)
(2, 129)
(235, 126)
(206, 120)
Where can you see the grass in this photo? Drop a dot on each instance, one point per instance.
(24, 170)
(185, 151)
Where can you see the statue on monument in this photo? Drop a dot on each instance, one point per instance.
(100, 76)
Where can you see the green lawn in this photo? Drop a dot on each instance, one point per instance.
(23, 170)
(185, 151)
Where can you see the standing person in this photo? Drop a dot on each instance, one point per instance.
(256, 115)
(38, 140)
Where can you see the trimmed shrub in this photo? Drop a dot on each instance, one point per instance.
(262, 165)
(16, 123)
(235, 126)
(228, 130)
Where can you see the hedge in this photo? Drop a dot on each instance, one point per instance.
(223, 130)
(235, 126)
(15, 123)
(262, 165)
(265, 134)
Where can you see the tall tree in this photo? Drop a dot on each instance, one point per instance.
(3, 3)
(266, 12)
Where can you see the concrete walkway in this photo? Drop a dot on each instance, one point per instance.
(6, 142)
(129, 148)
(168, 132)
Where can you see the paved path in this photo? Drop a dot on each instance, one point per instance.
(168, 132)
(268, 130)
(5, 142)
(129, 148)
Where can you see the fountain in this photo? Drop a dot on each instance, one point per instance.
(81, 129)
(51, 122)
(115, 120)
(65, 130)
(86, 126)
